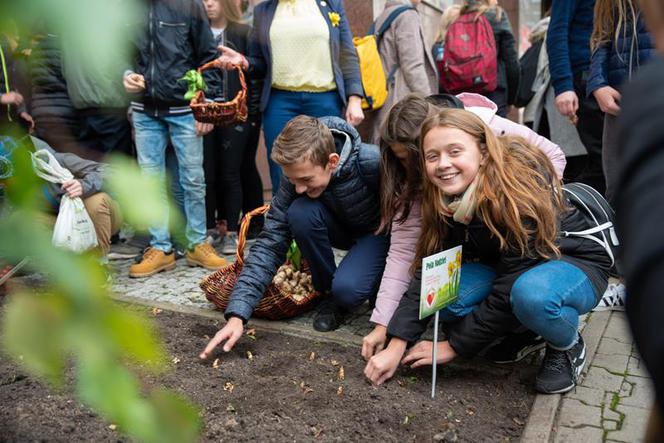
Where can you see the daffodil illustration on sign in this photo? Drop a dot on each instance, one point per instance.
(334, 18)
(441, 275)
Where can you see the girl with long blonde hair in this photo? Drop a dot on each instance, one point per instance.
(500, 198)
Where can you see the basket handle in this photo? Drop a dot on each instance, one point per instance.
(216, 64)
(244, 227)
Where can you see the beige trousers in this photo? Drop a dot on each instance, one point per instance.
(106, 217)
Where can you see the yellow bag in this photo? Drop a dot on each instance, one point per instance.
(371, 69)
(374, 81)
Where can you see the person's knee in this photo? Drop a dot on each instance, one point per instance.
(347, 293)
(530, 298)
(304, 215)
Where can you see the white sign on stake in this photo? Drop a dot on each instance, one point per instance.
(441, 275)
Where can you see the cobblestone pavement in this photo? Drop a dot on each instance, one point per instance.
(613, 401)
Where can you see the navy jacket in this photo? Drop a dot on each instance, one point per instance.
(568, 41)
(352, 196)
(614, 62)
(345, 63)
(173, 38)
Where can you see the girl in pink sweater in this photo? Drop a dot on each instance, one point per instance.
(400, 193)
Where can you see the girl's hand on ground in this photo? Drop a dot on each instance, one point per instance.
(374, 341)
(230, 333)
(382, 366)
(354, 114)
(608, 99)
(421, 354)
(230, 58)
(72, 188)
(11, 98)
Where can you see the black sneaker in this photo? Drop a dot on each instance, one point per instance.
(561, 369)
(328, 317)
(515, 347)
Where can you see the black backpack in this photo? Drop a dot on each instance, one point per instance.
(528, 68)
(600, 216)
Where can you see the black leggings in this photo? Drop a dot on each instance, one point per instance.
(232, 181)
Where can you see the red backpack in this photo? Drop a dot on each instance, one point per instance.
(469, 59)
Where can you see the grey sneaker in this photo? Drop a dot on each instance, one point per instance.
(229, 243)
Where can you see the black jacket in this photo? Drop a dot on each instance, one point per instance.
(236, 36)
(640, 211)
(493, 318)
(351, 195)
(508, 60)
(172, 38)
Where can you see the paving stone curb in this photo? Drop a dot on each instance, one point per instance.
(542, 418)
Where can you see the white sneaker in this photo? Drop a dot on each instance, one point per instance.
(613, 298)
(229, 243)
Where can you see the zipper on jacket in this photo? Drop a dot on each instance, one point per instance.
(152, 57)
(172, 25)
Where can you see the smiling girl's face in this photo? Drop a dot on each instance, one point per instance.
(452, 159)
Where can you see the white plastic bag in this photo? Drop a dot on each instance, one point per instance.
(73, 228)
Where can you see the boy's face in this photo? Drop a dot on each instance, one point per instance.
(309, 178)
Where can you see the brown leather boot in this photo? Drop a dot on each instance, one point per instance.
(154, 260)
(204, 255)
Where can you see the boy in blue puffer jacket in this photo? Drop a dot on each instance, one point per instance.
(328, 197)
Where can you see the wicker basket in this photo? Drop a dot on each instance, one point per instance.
(275, 304)
(221, 113)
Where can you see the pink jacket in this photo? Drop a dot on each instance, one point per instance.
(404, 236)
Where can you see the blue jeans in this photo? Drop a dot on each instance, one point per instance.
(152, 136)
(316, 231)
(549, 298)
(283, 106)
(474, 286)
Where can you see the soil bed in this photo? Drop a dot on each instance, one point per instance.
(289, 390)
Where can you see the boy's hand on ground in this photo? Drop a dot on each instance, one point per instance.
(421, 354)
(608, 99)
(567, 103)
(354, 114)
(72, 188)
(230, 58)
(134, 83)
(374, 342)
(230, 333)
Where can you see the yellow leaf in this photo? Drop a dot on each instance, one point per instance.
(215, 364)
(342, 373)
(312, 356)
(176, 360)
(340, 390)
(112, 427)
(228, 386)
(250, 356)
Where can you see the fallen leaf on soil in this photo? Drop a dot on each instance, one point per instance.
(112, 427)
(230, 408)
(228, 386)
(400, 382)
(317, 432)
(156, 311)
(406, 420)
(517, 421)
(215, 363)
(469, 411)
(312, 356)
(250, 356)
(342, 373)
(176, 360)
(231, 423)
(340, 390)
(334, 362)
(306, 389)
(251, 333)
(207, 337)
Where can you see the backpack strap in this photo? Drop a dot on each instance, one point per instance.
(387, 23)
